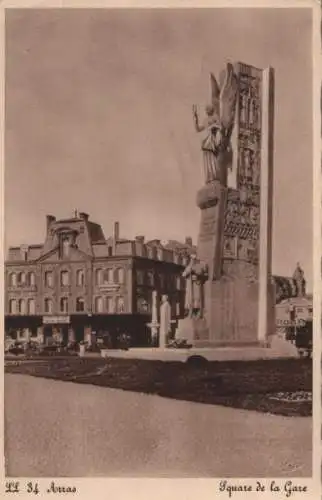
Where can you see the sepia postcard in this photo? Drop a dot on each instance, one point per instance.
(161, 313)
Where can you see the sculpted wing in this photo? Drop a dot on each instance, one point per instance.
(215, 95)
(228, 98)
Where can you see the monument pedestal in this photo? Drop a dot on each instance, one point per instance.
(234, 309)
(193, 330)
(211, 199)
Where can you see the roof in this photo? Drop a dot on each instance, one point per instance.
(305, 301)
(95, 232)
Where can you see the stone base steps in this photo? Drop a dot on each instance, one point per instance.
(209, 353)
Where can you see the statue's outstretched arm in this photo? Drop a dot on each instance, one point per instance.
(198, 127)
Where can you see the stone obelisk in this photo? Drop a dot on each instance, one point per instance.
(235, 236)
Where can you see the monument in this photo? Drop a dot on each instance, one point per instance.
(165, 322)
(154, 324)
(235, 236)
(299, 281)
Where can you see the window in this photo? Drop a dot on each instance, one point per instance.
(140, 277)
(99, 276)
(12, 279)
(64, 278)
(120, 304)
(49, 282)
(12, 306)
(80, 304)
(109, 276)
(109, 304)
(110, 251)
(31, 306)
(178, 309)
(48, 306)
(80, 277)
(99, 304)
(21, 278)
(64, 305)
(160, 254)
(142, 305)
(21, 307)
(150, 277)
(178, 282)
(32, 279)
(119, 275)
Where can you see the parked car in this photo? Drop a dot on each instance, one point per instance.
(72, 347)
(93, 347)
(8, 343)
(48, 350)
(304, 339)
(16, 349)
(124, 341)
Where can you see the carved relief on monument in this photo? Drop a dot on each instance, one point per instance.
(242, 216)
(230, 248)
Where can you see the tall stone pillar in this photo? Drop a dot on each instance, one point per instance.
(266, 306)
(235, 236)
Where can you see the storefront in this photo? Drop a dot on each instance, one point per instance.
(55, 329)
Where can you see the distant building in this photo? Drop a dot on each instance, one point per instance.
(184, 249)
(78, 282)
(295, 309)
(293, 305)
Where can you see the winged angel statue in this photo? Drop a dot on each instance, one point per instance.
(218, 124)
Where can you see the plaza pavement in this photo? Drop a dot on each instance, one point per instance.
(61, 429)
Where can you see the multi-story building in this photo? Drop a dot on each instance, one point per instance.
(78, 283)
(294, 306)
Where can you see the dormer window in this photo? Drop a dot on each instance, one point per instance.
(67, 239)
(24, 252)
(65, 246)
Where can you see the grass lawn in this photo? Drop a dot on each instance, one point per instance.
(278, 386)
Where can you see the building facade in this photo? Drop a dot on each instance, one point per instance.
(294, 306)
(79, 284)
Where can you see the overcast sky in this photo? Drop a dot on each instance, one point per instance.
(98, 118)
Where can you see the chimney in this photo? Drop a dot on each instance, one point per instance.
(140, 239)
(116, 236)
(84, 216)
(49, 220)
(188, 241)
(116, 231)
